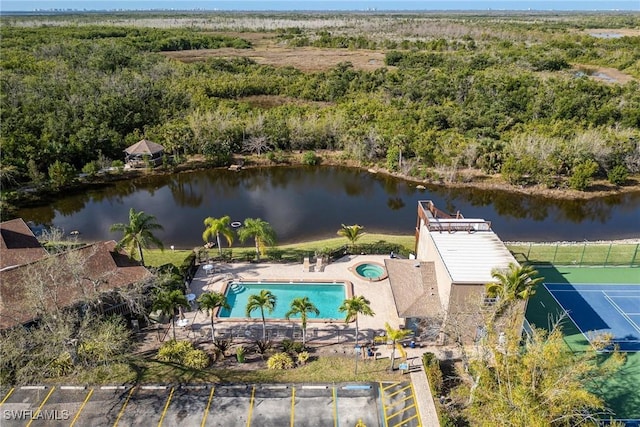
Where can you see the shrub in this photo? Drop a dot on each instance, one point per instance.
(183, 353)
(240, 353)
(61, 174)
(280, 361)
(433, 372)
(174, 351)
(303, 357)
(222, 345)
(262, 346)
(271, 156)
(118, 164)
(62, 365)
(582, 173)
(196, 359)
(618, 175)
(275, 254)
(289, 346)
(91, 168)
(309, 158)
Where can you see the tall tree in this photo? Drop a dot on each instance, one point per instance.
(138, 233)
(540, 383)
(168, 302)
(355, 306)
(395, 335)
(514, 283)
(351, 232)
(210, 301)
(216, 227)
(265, 300)
(303, 307)
(261, 231)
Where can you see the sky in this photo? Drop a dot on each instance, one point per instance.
(283, 5)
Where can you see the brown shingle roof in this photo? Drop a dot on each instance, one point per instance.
(414, 287)
(144, 146)
(18, 245)
(63, 280)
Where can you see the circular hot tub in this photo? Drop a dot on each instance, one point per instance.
(371, 271)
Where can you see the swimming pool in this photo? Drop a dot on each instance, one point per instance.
(371, 271)
(326, 296)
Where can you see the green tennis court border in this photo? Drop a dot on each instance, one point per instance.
(620, 391)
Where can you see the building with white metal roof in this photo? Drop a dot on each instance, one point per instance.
(464, 252)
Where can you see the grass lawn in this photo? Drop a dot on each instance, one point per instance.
(578, 254)
(591, 254)
(141, 370)
(156, 257)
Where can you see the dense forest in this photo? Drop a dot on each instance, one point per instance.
(499, 94)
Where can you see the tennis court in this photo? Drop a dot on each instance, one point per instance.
(598, 309)
(583, 293)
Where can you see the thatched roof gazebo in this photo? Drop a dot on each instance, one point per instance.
(144, 152)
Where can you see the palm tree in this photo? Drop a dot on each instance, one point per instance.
(261, 231)
(514, 283)
(264, 300)
(351, 232)
(395, 335)
(216, 227)
(354, 306)
(167, 302)
(138, 233)
(210, 301)
(302, 306)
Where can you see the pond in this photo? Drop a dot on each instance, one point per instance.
(304, 203)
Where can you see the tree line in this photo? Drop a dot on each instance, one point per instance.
(74, 97)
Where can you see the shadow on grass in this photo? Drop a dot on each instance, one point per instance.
(155, 371)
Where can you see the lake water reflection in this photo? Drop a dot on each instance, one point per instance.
(303, 203)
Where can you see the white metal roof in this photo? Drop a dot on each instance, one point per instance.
(470, 257)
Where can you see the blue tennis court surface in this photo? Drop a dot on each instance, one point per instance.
(601, 308)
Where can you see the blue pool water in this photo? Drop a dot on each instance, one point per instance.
(370, 271)
(327, 297)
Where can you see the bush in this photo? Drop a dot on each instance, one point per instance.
(61, 174)
(618, 175)
(582, 173)
(434, 374)
(118, 164)
(91, 168)
(174, 351)
(196, 359)
(289, 346)
(303, 357)
(183, 353)
(309, 158)
(280, 361)
(275, 254)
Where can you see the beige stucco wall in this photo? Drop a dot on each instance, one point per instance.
(427, 252)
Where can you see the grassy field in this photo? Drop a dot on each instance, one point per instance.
(322, 369)
(155, 257)
(596, 254)
(615, 254)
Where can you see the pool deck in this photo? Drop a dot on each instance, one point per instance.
(377, 292)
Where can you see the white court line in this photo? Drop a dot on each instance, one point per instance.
(568, 314)
(598, 290)
(622, 313)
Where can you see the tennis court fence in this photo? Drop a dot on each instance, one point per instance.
(581, 254)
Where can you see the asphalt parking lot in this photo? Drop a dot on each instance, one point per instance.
(263, 405)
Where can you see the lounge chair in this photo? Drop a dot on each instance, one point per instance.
(306, 265)
(319, 264)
